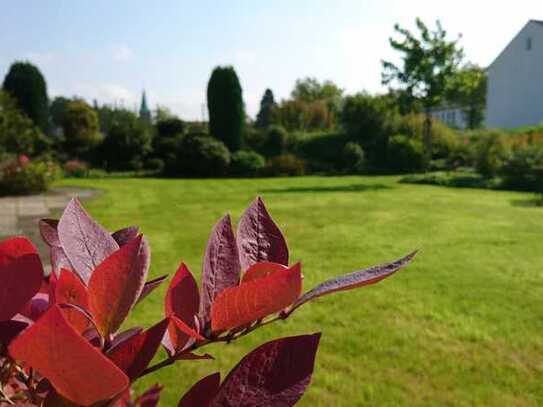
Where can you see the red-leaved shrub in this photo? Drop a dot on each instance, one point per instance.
(60, 338)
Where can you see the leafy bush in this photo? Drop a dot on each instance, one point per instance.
(285, 165)
(489, 151)
(246, 163)
(198, 155)
(275, 142)
(353, 158)
(61, 338)
(24, 177)
(405, 154)
(522, 169)
(154, 164)
(321, 151)
(458, 179)
(76, 168)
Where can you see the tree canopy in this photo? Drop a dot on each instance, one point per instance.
(467, 88)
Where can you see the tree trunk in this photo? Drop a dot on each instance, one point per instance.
(427, 136)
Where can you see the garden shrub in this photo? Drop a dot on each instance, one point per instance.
(405, 154)
(76, 169)
(246, 163)
(154, 164)
(353, 158)
(62, 343)
(489, 151)
(522, 169)
(285, 165)
(275, 141)
(321, 151)
(24, 177)
(198, 155)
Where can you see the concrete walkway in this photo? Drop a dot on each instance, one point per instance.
(20, 215)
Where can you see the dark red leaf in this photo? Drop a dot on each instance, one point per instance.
(259, 239)
(256, 299)
(356, 279)
(150, 286)
(20, 280)
(221, 267)
(275, 374)
(180, 333)
(260, 270)
(36, 306)
(123, 236)
(10, 329)
(116, 284)
(182, 297)
(150, 397)
(202, 393)
(124, 336)
(59, 260)
(15, 247)
(77, 370)
(85, 242)
(133, 355)
(69, 289)
(49, 232)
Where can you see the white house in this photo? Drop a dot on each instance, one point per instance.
(515, 84)
(515, 81)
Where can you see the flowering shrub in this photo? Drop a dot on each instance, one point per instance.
(60, 342)
(76, 168)
(24, 176)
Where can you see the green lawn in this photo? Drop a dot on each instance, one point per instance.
(462, 326)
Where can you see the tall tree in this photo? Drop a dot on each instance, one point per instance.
(267, 104)
(467, 88)
(310, 90)
(25, 83)
(57, 110)
(429, 60)
(225, 107)
(81, 128)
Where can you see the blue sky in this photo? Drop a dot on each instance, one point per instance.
(111, 50)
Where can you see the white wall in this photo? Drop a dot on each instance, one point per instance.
(515, 82)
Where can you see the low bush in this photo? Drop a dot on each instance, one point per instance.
(405, 154)
(522, 169)
(76, 169)
(353, 158)
(489, 151)
(198, 155)
(320, 150)
(154, 164)
(246, 163)
(458, 179)
(24, 177)
(62, 343)
(286, 165)
(275, 141)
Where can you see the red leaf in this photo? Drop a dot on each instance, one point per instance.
(221, 267)
(150, 397)
(121, 337)
(69, 289)
(49, 232)
(85, 242)
(36, 306)
(15, 247)
(202, 393)
(182, 297)
(123, 236)
(149, 286)
(20, 280)
(77, 370)
(180, 333)
(133, 355)
(259, 239)
(116, 284)
(10, 329)
(356, 279)
(260, 270)
(256, 299)
(275, 374)
(59, 260)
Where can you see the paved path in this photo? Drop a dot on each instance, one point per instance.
(20, 215)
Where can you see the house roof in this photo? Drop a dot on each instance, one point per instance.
(537, 21)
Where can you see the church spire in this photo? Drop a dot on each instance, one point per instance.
(145, 113)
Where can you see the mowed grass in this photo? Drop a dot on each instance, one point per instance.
(462, 326)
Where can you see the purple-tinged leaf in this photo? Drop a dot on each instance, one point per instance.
(10, 329)
(49, 232)
(123, 336)
(274, 374)
(133, 355)
(149, 287)
(259, 239)
(117, 283)
(221, 267)
(85, 242)
(202, 393)
(123, 236)
(59, 260)
(355, 279)
(150, 397)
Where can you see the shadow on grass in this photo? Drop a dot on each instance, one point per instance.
(536, 202)
(334, 188)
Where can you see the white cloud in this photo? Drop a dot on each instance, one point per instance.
(122, 53)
